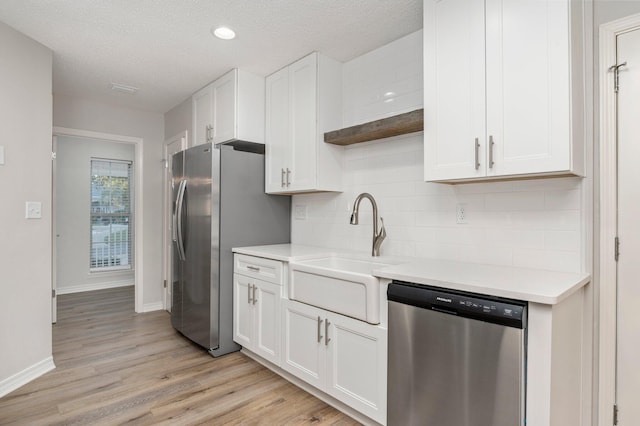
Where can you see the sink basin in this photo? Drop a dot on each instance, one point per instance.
(338, 284)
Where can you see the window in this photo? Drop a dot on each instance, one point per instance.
(111, 218)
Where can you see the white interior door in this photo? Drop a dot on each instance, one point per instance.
(628, 333)
(171, 146)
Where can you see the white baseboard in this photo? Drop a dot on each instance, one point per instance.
(155, 306)
(91, 287)
(25, 376)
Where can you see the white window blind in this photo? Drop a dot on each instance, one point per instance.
(111, 215)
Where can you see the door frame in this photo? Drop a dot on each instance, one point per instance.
(607, 278)
(54, 235)
(167, 215)
(138, 197)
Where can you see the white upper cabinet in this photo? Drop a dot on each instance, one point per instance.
(230, 108)
(303, 101)
(504, 89)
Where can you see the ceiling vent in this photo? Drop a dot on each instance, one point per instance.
(123, 88)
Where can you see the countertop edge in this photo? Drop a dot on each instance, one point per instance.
(279, 252)
(563, 284)
(483, 289)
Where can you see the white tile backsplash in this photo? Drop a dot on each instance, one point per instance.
(383, 82)
(532, 223)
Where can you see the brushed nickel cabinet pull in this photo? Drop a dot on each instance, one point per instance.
(253, 268)
(491, 144)
(326, 333)
(288, 177)
(254, 294)
(319, 329)
(282, 184)
(477, 150)
(249, 294)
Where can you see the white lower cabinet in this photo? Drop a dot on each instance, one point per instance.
(344, 357)
(256, 316)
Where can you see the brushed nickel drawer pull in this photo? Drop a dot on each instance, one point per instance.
(319, 328)
(491, 144)
(326, 333)
(253, 268)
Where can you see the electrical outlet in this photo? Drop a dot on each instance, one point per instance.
(461, 213)
(33, 210)
(300, 212)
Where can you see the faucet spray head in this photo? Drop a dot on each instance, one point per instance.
(354, 218)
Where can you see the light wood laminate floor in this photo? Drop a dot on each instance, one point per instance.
(115, 367)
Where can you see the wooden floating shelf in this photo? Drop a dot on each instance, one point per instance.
(397, 125)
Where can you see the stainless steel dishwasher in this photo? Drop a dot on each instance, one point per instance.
(455, 358)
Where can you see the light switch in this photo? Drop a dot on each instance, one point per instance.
(1, 155)
(34, 210)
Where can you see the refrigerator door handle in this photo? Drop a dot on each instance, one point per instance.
(178, 215)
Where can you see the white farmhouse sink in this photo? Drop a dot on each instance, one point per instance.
(338, 284)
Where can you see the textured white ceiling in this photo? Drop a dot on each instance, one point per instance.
(165, 47)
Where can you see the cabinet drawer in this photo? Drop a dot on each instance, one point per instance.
(258, 267)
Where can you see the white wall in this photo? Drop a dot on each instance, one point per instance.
(25, 244)
(89, 115)
(536, 223)
(73, 189)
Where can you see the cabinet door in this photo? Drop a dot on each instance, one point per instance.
(303, 95)
(202, 115)
(357, 365)
(278, 136)
(454, 95)
(528, 92)
(223, 92)
(303, 342)
(242, 311)
(267, 321)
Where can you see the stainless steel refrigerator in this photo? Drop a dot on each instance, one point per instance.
(219, 203)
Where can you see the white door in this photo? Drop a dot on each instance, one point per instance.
(357, 365)
(223, 92)
(303, 98)
(628, 338)
(303, 338)
(267, 320)
(278, 137)
(202, 103)
(243, 311)
(528, 112)
(454, 92)
(171, 146)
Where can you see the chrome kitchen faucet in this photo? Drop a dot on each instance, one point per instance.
(378, 237)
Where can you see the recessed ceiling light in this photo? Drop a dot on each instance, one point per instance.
(224, 33)
(123, 88)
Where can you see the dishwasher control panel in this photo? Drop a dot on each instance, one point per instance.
(469, 305)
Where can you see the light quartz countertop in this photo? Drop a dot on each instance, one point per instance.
(286, 252)
(531, 285)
